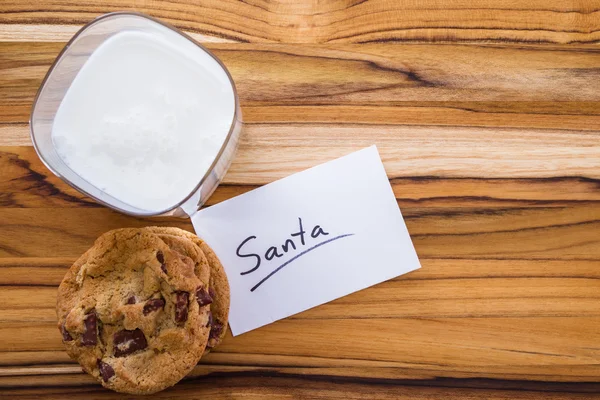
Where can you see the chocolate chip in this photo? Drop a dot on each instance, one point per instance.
(215, 330)
(210, 319)
(161, 259)
(181, 306)
(131, 300)
(106, 371)
(100, 330)
(90, 334)
(153, 305)
(203, 297)
(127, 342)
(212, 292)
(65, 334)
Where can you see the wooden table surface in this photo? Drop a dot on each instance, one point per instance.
(487, 117)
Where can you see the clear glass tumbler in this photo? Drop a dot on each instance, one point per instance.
(58, 80)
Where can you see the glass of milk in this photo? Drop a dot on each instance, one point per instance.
(138, 116)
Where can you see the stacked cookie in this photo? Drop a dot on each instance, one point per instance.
(140, 308)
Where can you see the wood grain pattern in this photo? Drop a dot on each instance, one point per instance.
(487, 117)
(345, 21)
(416, 84)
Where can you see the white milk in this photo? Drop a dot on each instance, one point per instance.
(144, 119)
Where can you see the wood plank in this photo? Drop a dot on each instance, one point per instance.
(492, 342)
(273, 151)
(487, 289)
(582, 116)
(536, 348)
(71, 232)
(563, 233)
(48, 272)
(59, 373)
(307, 21)
(579, 115)
(62, 33)
(418, 151)
(314, 384)
(444, 85)
(26, 183)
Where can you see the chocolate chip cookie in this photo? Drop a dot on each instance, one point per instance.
(128, 312)
(218, 285)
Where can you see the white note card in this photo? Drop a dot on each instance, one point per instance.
(308, 239)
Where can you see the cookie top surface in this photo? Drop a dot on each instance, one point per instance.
(219, 284)
(128, 313)
(188, 252)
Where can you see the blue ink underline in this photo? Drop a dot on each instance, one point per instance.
(298, 256)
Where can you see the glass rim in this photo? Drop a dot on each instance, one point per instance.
(234, 121)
